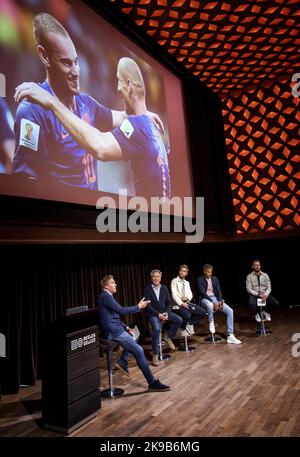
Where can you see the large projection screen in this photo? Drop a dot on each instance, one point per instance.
(74, 54)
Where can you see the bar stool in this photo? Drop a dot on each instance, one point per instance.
(108, 347)
(262, 330)
(213, 338)
(184, 347)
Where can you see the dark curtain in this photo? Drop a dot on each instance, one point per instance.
(40, 281)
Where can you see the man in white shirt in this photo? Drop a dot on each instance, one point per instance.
(258, 285)
(182, 295)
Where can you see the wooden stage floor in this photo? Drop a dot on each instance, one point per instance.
(217, 390)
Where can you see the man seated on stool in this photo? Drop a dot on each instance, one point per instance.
(258, 285)
(182, 296)
(160, 311)
(114, 329)
(211, 299)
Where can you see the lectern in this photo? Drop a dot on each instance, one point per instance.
(70, 375)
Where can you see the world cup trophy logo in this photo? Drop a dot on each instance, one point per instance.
(29, 129)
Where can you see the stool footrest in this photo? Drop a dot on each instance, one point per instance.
(184, 348)
(164, 356)
(212, 339)
(111, 393)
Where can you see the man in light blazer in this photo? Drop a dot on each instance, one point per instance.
(182, 296)
(113, 328)
(160, 310)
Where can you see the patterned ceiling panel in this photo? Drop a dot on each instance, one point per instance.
(228, 45)
(246, 52)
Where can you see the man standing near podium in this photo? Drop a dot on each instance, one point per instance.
(113, 328)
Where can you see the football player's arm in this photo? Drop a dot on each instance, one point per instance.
(7, 149)
(103, 146)
(7, 139)
(31, 159)
(120, 116)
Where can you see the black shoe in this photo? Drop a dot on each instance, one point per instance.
(123, 369)
(157, 386)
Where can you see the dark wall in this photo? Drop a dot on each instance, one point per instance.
(40, 282)
(208, 155)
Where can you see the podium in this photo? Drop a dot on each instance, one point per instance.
(70, 375)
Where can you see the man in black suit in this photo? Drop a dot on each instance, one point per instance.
(113, 328)
(159, 310)
(211, 300)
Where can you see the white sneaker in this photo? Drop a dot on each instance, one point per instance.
(233, 340)
(184, 333)
(267, 316)
(257, 318)
(212, 327)
(190, 329)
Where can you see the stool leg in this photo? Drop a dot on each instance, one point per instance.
(212, 339)
(262, 329)
(111, 392)
(185, 347)
(162, 356)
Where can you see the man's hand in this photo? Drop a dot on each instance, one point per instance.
(184, 305)
(163, 317)
(263, 296)
(217, 306)
(143, 303)
(34, 93)
(157, 121)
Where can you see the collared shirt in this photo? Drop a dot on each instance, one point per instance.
(210, 289)
(156, 290)
(105, 290)
(255, 286)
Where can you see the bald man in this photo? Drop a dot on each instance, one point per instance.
(137, 139)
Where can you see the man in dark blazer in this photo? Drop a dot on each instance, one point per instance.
(211, 299)
(113, 328)
(160, 310)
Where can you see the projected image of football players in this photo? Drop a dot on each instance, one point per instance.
(137, 139)
(45, 149)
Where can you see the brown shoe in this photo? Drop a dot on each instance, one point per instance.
(155, 360)
(169, 343)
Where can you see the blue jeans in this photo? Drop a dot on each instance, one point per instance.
(130, 346)
(174, 322)
(226, 310)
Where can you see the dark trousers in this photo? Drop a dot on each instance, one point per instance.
(172, 324)
(191, 315)
(271, 302)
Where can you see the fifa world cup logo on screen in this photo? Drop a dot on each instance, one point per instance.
(28, 128)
